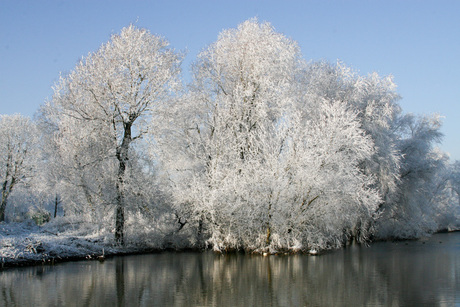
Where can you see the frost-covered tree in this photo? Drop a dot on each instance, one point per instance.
(412, 212)
(241, 87)
(409, 171)
(375, 100)
(77, 168)
(101, 109)
(455, 179)
(333, 199)
(445, 194)
(257, 164)
(18, 149)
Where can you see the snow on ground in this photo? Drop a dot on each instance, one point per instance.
(64, 239)
(26, 243)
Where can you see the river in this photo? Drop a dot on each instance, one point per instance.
(406, 273)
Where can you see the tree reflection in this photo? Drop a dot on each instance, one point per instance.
(403, 273)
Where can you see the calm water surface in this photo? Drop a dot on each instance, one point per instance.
(414, 273)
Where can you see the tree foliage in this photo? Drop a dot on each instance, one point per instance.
(18, 147)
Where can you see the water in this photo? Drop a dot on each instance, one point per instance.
(413, 273)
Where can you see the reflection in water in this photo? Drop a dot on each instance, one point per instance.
(415, 273)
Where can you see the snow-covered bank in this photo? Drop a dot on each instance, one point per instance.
(28, 244)
(23, 244)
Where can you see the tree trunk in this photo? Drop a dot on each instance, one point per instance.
(119, 222)
(6, 190)
(120, 212)
(56, 203)
(2, 210)
(199, 236)
(268, 238)
(122, 156)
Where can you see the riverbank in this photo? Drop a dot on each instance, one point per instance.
(26, 244)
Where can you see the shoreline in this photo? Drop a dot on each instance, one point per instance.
(25, 262)
(23, 245)
(53, 260)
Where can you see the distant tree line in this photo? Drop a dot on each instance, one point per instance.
(261, 151)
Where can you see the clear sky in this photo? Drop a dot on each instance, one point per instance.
(418, 42)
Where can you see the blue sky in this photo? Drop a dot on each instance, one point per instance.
(418, 42)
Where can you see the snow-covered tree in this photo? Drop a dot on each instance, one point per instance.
(334, 199)
(240, 89)
(412, 212)
(18, 149)
(445, 194)
(455, 179)
(257, 164)
(375, 100)
(101, 109)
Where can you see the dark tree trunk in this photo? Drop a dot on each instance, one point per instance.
(6, 190)
(56, 203)
(122, 156)
(2, 211)
(119, 222)
(200, 232)
(268, 238)
(120, 212)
